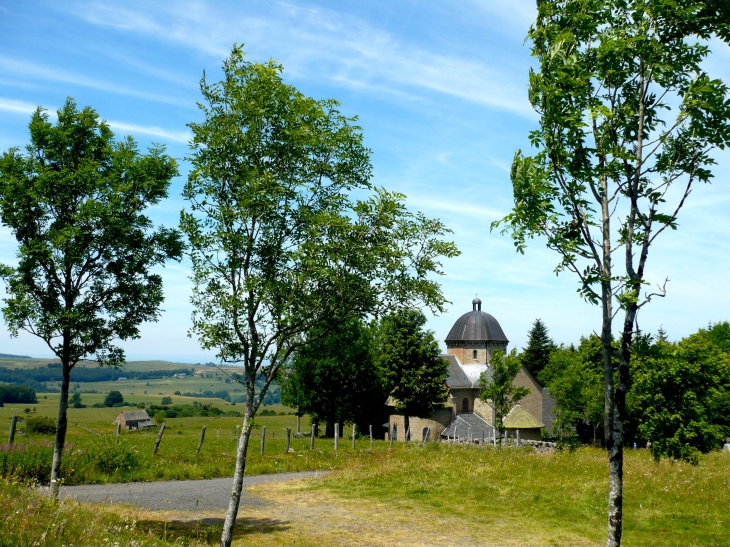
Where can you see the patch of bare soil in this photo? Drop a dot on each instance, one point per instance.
(294, 514)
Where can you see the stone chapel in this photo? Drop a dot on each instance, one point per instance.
(469, 348)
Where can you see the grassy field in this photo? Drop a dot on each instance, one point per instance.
(33, 362)
(90, 428)
(418, 497)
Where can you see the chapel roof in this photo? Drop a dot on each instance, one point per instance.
(465, 425)
(476, 326)
(464, 376)
(519, 418)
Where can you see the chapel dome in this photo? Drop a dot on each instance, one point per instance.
(476, 326)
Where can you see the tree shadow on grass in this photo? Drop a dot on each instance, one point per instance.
(208, 530)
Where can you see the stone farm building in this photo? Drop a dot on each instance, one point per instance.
(470, 345)
(136, 419)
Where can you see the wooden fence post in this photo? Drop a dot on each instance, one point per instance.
(263, 439)
(426, 435)
(311, 441)
(371, 438)
(159, 438)
(299, 425)
(288, 438)
(119, 428)
(519, 444)
(337, 435)
(353, 436)
(200, 443)
(392, 434)
(13, 424)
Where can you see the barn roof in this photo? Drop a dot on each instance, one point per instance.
(135, 415)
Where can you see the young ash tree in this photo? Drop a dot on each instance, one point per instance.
(75, 203)
(628, 121)
(279, 248)
(497, 387)
(410, 365)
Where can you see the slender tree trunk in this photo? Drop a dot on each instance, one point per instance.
(230, 522)
(61, 429)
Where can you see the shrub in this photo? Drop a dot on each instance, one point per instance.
(110, 454)
(113, 398)
(160, 417)
(177, 393)
(40, 424)
(166, 401)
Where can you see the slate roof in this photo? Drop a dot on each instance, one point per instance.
(135, 415)
(458, 378)
(476, 326)
(467, 424)
(519, 418)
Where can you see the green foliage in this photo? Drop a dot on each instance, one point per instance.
(159, 417)
(499, 390)
(27, 461)
(74, 202)
(409, 363)
(111, 455)
(574, 378)
(42, 425)
(277, 245)
(719, 334)
(76, 401)
(167, 400)
(333, 378)
(17, 394)
(113, 398)
(683, 397)
(536, 355)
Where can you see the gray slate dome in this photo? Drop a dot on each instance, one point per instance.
(476, 326)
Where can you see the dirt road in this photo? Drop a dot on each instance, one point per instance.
(200, 495)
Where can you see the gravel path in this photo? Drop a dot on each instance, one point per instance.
(200, 495)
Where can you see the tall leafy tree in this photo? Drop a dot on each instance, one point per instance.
(682, 396)
(628, 120)
(410, 364)
(278, 246)
(498, 390)
(719, 334)
(574, 378)
(334, 377)
(536, 355)
(75, 203)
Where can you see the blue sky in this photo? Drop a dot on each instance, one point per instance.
(441, 92)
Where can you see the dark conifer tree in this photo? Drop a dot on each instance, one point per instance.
(536, 355)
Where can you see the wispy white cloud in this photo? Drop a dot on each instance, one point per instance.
(484, 213)
(21, 107)
(177, 136)
(320, 43)
(32, 70)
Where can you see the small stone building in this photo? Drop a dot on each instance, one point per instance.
(470, 345)
(136, 419)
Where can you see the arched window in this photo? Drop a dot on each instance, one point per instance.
(465, 405)
(475, 354)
